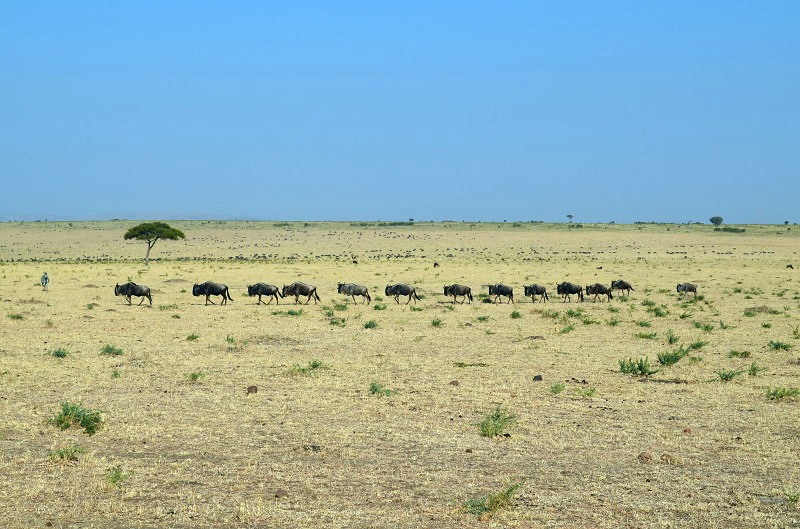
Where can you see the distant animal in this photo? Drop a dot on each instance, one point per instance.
(353, 290)
(262, 289)
(402, 290)
(622, 286)
(45, 281)
(458, 290)
(212, 289)
(132, 289)
(501, 290)
(787, 266)
(298, 289)
(566, 289)
(687, 287)
(599, 290)
(537, 290)
(435, 264)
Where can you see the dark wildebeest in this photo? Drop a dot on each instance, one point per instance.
(536, 290)
(402, 290)
(566, 289)
(353, 290)
(212, 289)
(622, 286)
(262, 289)
(458, 290)
(132, 289)
(599, 290)
(787, 266)
(298, 289)
(687, 287)
(501, 290)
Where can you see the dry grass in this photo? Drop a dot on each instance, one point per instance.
(679, 448)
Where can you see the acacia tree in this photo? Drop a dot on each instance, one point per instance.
(716, 221)
(151, 232)
(569, 217)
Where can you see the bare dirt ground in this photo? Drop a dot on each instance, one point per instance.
(182, 444)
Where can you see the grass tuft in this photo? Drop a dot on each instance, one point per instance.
(371, 324)
(195, 376)
(782, 393)
(66, 454)
(70, 414)
(436, 322)
(116, 476)
(640, 367)
(192, 337)
(516, 315)
(376, 388)
(60, 353)
(496, 423)
(313, 367)
(490, 504)
(110, 350)
(779, 346)
(557, 388)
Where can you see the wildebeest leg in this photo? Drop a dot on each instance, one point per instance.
(409, 300)
(140, 303)
(207, 299)
(129, 300)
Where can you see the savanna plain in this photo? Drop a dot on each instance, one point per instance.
(428, 414)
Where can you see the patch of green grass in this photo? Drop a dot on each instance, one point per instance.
(727, 376)
(695, 359)
(90, 306)
(293, 312)
(313, 367)
(436, 322)
(796, 332)
(647, 335)
(173, 306)
(779, 346)
(782, 393)
(750, 313)
(337, 322)
(176, 316)
(644, 323)
(574, 313)
(613, 322)
(116, 476)
(110, 350)
(739, 354)
(16, 316)
(586, 392)
(482, 318)
(516, 315)
(339, 306)
(71, 413)
(557, 388)
(195, 376)
(672, 357)
(416, 309)
(496, 423)
(230, 339)
(648, 303)
(463, 364)
(723, 325)
(548, 313)
(68, 453)
(60, 353)
(766, 325)
(695, 346)
(378, 306)
(706, 327)
(755, 369)
(378, 389)
(371, 324)
(567, 329)
(639, 367)
(613, 309)
(490, 504)
(672, 338)
(192, 337)
(587, 320)
(685, 314)
(115, 373)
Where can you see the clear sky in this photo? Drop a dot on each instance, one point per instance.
(623, 111)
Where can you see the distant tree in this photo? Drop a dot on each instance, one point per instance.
(716, 221)
(410, 220)
(785, 222)
(151, 232)
(569, 217)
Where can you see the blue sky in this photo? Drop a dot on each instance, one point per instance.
(623, 111)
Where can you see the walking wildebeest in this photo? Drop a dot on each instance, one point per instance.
(351, 289)
(212, 289)
(458, 290)
(622, 286)
(402, 290)
(599, 290)
(298, 289)
(536, 290)
(566, 289)
(501, 290)
(687, 287)
(262, 289)
(132, 289)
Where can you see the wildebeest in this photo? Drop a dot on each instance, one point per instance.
(298, 289)
(402, 290)
(536, 290)
(353, 290)
(687, 287)
(262, 289)
(622, 285)
(599, 290)
(458, 290)
(212, 289)
(46, 280)
(501, 290)
(132, 289)
(787, 266)
(566, 289)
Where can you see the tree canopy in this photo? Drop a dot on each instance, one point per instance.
(716, 221)
(152, 232)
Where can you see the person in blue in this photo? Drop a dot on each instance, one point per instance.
(45, 281)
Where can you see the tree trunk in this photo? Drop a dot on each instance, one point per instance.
(147, 256)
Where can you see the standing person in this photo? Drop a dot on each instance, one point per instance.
(45, 281)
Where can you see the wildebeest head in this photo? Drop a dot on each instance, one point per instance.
(339, 287)
(196, 290)
(116, 290)
(388, 290)
(446, 289)
(251, 290)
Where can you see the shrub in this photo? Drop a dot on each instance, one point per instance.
(640, 367)
(116, 476)
(192, 337)
(110, 350)
(339, 306)
(378, 306)
(313, 367)
(115, 373)
(496, 423)
(672, 357)
(378, 389)
(754, 369)
(739, 354)
(727, 376)
(464, 364)
(493, 502)
(68, 453)
(779, 346)
(647, 335)
(644, 324)
(194, 377)
(557, 388)
(436, 322)
(766, 325)
(230, 339)
(694, 346)
(613, 322)
(60, 353)
(89, 420)
(338, 322)
(417, 309)
(293, 312)
(482, 318)
(672, 338)
(782, 393)
(516, 315)
(371, 324)
(586, 393)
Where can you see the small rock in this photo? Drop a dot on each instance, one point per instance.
(687, 430)
(252, 389)
(468, 450)
(312, 448)
(454, 382)
(281, 493)
(537, 378)
(645, 457)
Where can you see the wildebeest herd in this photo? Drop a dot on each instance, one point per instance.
(297, 289)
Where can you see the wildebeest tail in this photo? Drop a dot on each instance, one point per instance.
(228, 293)
(469, 294)
(414, 292)
(316, 296)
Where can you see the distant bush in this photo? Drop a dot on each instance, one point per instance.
(89, 420)
(110, 350)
